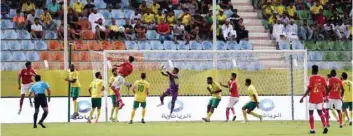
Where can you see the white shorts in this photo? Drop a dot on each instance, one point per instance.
(119, 82)
(326, 105)
(335, 102)
(232, 101)
(315, 106)
(25, 88)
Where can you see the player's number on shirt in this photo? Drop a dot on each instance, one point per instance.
(336, 87)
(316, 88)
(140, 88)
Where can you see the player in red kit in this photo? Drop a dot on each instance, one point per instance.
(25, 81)
(317, 88)
(234, 95)
(125, 69)
(335, 95)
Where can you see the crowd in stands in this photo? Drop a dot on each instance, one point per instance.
(127, 20)
(308, 19)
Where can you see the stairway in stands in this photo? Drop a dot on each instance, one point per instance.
(258, 36)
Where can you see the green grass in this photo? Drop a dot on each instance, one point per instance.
(269, 128)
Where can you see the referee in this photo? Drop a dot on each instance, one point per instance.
(40, 99)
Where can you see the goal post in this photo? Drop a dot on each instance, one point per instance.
(277, 75)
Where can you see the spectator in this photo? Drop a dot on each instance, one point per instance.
(208, 18)
(205, 30)
(191, 32)
(284, 19)
(179, 32)
(197, 18)
(77, 6)
(94, 17)
(315, 9)
(100, 30)
(185, 17)
(30, 20)
(279, 8)
(171, 18)
(54, 8)
(129, 30)
(74, 31)
(277, 30)
(72, 16)
(148, 19)
(136, 3)
(114, 3)
(5, 9)
(318, 32)
(114, 31)
(335, 19)
(341, 31)
(267, 10)
(305, 32)
(28, 7)
(140, 31)
(47, 20)
(60, 30)
(37, 30)
(39, 3)
(160, 16)
(143, 7)
(164, 32)
(226, 4)
(19, 20)
(84, 23)
(155, 7)
(14, 4)
(291, 30)
(228, 32)
(191, 5)
(234, 18)
(221, 17)
(292, 11)
(329, 30)
(136, 15)
(242, 34)
(320, 18)
(300, 4)
(88, 8)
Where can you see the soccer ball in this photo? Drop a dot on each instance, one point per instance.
(162, 67)
(121, 29)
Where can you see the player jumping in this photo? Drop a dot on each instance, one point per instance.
(347, 97)
(75, 88)
(141, 90)
(25, 76)
(234, 95)
(215, 91)
(95, 90)
(40, 100)
(317, 87)
(112, 95)
(254, 102)
(173, 88)
(125, 69)
(335, 93)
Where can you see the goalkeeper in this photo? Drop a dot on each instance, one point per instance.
(173, 87)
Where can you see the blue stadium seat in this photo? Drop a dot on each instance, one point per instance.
(11, 34)
(297, 45)
(314, 55)
(157, 45)
(245, 45)
(100, 4)
(3, 35)
(152, 35)
(23, 34)
(12, 13)
(38, 13)
(105, 13)
(125, 4)
(221, 45)
(108, 22)
(7, 24)
(40, 45)
(6, 56)
(14, 45)
(194, 45)
(283, 46)
(19, 56)
(50, 35)
(4, 46)
(131, 45)
(177, 13)
(128, 13)
(169, 45)
(27, 45)
(3, 66)
(228, 13)
(144, 45)
(182, 46)
(333, 65)
(233, 45)
(207, 45)
(11, 66)
(242, 65)
(32, 56)
(120, 22)
(259, 66)
(222, 65)
(117, 14)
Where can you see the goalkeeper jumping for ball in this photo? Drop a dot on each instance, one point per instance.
(173, 87)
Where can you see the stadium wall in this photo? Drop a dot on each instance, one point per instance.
(187, 109)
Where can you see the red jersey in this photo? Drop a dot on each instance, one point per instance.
(126, 69)
(26, 75)
(335, 86)
(317, 86)
(233, 88)
(162, 28)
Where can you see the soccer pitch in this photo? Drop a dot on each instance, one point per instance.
(254, 128)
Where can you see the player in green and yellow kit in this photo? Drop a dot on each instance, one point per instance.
(95, 90)
(254, 102)
(141, 90)
(73, 79)
(347, 97)
(215, 91)
(112, 95)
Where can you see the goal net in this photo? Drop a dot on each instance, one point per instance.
(278, 76)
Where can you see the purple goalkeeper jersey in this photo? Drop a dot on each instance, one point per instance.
(173, 82)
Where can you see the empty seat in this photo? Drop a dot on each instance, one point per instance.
(54, 45)
(38, 13)
(19, 56)
(297, 45)
(128, 13)
(94, 45)
(40, 45)
(131, 45)
(182, 46)
(4, 46)
(14, 45)
(23, 34)
(342, 56)
(233, 45)
(11, 34)
(58, 56)
(12, 13)
(105, 13)
(283, 46)
(315, 55)
(45, 55)
(194, 45)
(322, 45)
(144, 45)
(75, 56)
(329, 55)
(100, 5)
(120, 22)
(259, 66)
(50, 35)
(3, 35)
(7, 24)
(169, 45)
(117, 14)
(245, 45)
(106, 45)
(6, 56)
(157, 45)
(177, 13)
(119, 45)
(228, 13)
(27, 45)
(152, 35)
(87, 34)
(85, 56)
(32, 56)
(207, 45)
(12, 66)
(221, 45)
